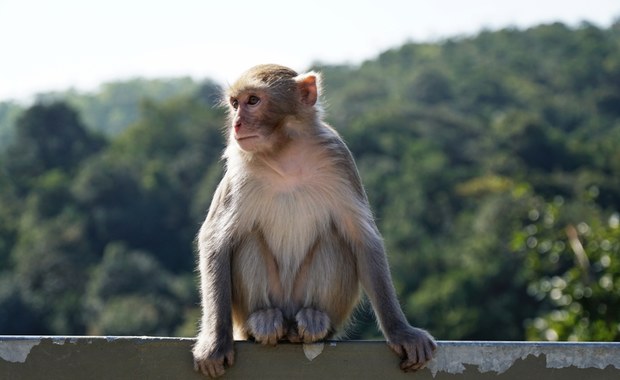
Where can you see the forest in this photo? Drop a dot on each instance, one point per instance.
(492, 164)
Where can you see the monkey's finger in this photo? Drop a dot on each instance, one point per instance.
(201, 367)
(271, 340)
(398, 349)
(434, 345)
(412, 367)
(417, 357)
(217, 370)
(409, 363)
(429, 350)
(309, 339)
(280, 331)
(230, 358)
(213, 368)
(301, 330)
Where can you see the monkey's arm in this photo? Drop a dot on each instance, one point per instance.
(214, 347)
(413, 345)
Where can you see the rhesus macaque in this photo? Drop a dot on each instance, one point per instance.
(289, 237)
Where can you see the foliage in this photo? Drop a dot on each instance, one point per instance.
(130, 291)
(48, 137)
(112, 108)
(491, 163)
(9, 111)
(573, 263)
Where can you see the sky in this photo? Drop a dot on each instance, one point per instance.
(52, 45)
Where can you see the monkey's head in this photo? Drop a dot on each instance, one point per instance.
(270, 104)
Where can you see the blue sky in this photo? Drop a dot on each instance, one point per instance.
(56, 44)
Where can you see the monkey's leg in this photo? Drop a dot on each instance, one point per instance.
(266, 326)
(326, 288)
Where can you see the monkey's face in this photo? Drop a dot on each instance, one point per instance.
(246, 114)
(254, 121)
(262, 101)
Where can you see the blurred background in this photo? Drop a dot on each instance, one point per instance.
(487, 135)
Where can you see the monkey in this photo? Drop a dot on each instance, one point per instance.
(289, 240)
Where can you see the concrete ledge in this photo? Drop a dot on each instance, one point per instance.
(59, 357)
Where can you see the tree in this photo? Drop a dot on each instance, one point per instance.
(573, 262)
(48, 137)
(52, 261)
(131, 294)
(477, 153)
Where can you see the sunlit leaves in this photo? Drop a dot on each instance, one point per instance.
(575, 269)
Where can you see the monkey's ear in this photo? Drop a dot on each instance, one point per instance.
(308, 87)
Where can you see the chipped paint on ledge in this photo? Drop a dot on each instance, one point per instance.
(69, 357)
(498, 357)
(17, 351)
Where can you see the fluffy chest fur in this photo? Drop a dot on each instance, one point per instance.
(291, 205)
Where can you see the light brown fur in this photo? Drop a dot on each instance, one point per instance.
(289, 237)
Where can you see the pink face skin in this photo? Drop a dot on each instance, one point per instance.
(247, 111)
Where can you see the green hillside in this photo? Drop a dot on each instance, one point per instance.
(491, 163)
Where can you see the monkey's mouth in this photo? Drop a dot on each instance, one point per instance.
(242, 138)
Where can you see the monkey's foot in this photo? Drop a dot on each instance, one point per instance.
(266, 326)
(312, 325)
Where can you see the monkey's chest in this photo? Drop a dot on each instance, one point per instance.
(290, 223)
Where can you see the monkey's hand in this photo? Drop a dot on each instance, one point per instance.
(211, 358)
(414, 346)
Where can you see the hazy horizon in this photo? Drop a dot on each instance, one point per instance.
(67, 44)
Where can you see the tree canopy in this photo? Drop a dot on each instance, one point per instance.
(491, 163)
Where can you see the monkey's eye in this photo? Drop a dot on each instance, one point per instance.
(234, 103)
(253, 100)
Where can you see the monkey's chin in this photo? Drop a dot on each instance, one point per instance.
(248, 143)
